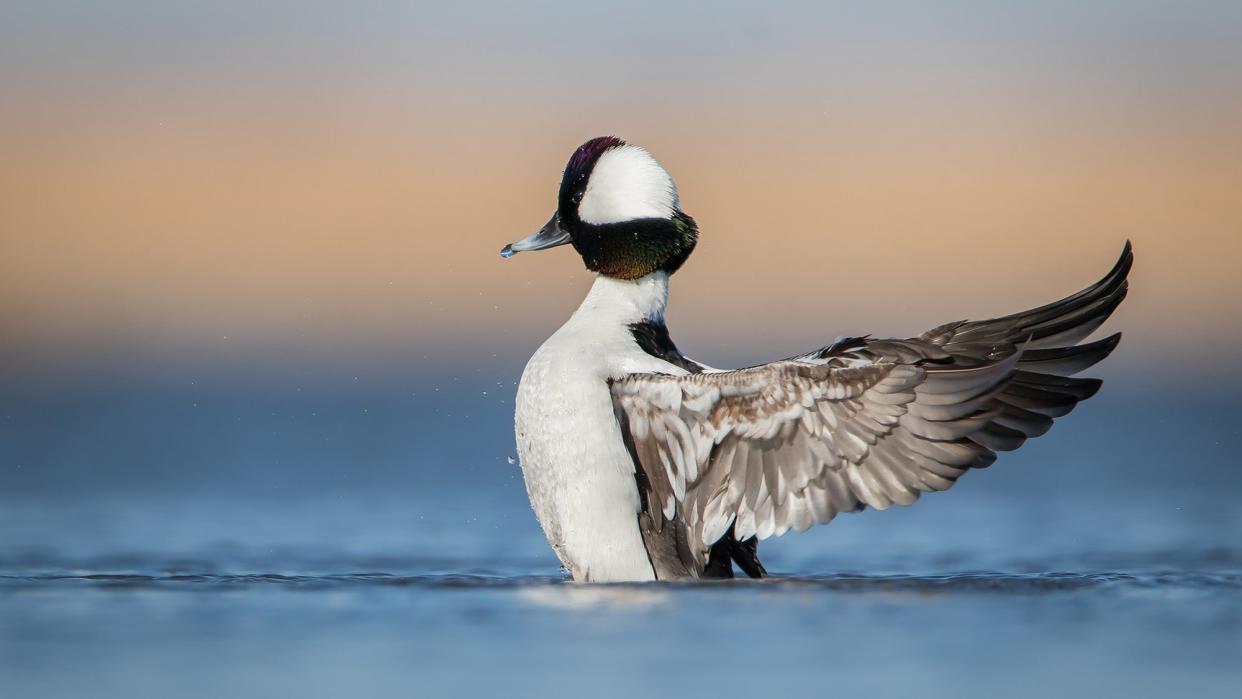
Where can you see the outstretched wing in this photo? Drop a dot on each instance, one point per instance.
(858, 423)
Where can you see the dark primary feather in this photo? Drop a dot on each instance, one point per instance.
(1058, 324)
(861, 422)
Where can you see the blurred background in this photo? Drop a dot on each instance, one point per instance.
(253, 318)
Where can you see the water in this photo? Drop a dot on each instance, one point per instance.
(264, 541)
(459, 634)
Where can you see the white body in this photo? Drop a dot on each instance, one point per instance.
(578, 472)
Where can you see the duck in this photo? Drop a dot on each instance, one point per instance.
(642, 464)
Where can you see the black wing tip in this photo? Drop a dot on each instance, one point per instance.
(1090, 387)
(1117, 278)
(1106, 345)
(1121, 268)
(1067, 361)
(1126, 260)
(1115, 283)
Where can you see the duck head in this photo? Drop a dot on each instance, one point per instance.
(619, 209)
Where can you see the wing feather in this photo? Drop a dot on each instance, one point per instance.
(860, 422)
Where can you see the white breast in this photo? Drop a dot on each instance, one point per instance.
(579, 475)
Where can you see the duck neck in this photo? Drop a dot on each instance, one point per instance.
(627, 301)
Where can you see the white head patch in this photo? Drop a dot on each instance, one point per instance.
(626, 184)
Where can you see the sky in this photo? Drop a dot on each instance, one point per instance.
(259, 188)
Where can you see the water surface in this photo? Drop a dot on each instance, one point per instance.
(172, 542)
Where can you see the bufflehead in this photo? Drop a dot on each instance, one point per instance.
(644, 464)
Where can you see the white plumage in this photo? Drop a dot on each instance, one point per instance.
(578, 473)
(627, 184)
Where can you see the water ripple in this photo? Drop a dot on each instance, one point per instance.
(966, 582)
